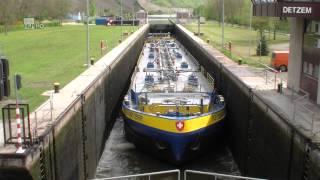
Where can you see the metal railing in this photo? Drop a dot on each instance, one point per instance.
(216, 176)
(272, 76)
(149, 175)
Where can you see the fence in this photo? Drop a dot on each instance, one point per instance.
(272, 78)
(9, 123)
(301, 115)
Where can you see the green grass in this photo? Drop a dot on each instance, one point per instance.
(240, 39)
(55, 54)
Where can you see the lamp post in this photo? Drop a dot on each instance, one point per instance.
(260, 50)
(222, 29)
(88, 36)
(121, 20)
(250, 41)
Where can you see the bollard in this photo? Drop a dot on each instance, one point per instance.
(279, 88)
(92, 61)
(56, 87)
(240, 61)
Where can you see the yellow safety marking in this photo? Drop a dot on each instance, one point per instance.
(169, 125)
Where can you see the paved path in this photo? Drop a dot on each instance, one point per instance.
(297, 108)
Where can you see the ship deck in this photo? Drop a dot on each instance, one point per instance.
(171, 81)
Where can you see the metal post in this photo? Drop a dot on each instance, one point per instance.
(250, 41)
(18, 118)
(121, 20)
(222, 35)
(312, 124)
(36, 128)
(88, 36)
(266, 76)
(275, 80)
(260, 48)
(199, 25)
(51, 106)
(133, 18)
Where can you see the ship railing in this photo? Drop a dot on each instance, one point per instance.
(177, 175)
(215, 176)
(148, 175)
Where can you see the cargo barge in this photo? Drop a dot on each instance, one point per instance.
(172, 109)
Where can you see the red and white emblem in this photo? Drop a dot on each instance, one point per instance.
(180, 125)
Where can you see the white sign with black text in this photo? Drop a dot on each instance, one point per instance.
(297, 10)
(29, 23)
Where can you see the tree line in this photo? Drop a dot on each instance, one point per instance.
(239, 12)
(13, 11)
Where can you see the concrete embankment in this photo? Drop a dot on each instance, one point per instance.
(263, 141)
(69, 146)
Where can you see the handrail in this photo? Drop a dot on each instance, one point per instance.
(217, 175)
(268, 67)
(143, 175)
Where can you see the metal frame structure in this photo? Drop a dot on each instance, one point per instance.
(8, 119)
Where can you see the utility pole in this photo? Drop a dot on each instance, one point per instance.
(121, 20)
(222, 33)
(250, 40)
(199, 25)
(133, 15)
(88, 36)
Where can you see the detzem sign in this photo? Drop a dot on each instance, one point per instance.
(297, 10)
(288, 9)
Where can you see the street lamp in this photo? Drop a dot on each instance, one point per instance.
(222, 35)
(88, 36)
(250, 41)
(121, 20)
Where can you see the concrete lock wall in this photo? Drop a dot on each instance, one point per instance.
(72, 145)
(262, 142)
(80, 143)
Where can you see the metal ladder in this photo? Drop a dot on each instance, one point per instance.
(307, 164)
(43, 170)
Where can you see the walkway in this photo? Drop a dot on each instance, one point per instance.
(294, 106)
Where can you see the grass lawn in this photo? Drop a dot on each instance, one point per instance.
(240, 38)
(55, 54)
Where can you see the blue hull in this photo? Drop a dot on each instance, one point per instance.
(173, 147)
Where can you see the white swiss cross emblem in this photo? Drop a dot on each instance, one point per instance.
(180, 125)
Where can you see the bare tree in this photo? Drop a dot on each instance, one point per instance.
(6, 13)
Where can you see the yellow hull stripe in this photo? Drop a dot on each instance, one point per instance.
(169, 125)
